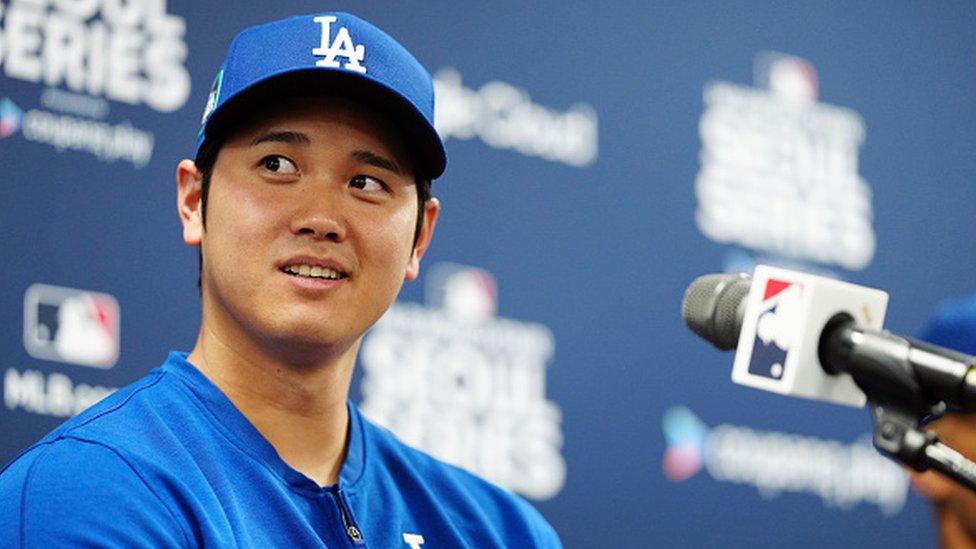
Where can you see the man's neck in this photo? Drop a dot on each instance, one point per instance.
(300, 409)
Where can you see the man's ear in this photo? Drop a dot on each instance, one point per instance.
(189, 201)
(431, 209)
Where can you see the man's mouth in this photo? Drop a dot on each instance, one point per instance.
(313, 271)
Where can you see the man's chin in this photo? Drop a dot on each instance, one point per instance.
(309, 347)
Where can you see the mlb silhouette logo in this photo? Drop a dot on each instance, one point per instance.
(71, 326)
(778, 328)
(466, 293)
(790, 79)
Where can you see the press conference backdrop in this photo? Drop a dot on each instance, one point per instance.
(601, 157)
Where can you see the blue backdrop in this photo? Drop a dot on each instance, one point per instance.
(588, 183)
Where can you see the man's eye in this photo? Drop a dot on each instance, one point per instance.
(279, 164)
(367, 183)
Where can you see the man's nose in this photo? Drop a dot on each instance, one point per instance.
(320, 217)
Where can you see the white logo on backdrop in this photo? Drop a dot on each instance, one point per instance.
(63, 325)
(468, 387)
(54, 394)
(131, 52)
(779, 171)
(69, 325)
(86, 54)
(504, 117)
(342, 46)
(843, 475)
(107, 142)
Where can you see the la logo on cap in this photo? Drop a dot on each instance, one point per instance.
(341, 46)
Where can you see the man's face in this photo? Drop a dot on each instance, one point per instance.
(311, 215)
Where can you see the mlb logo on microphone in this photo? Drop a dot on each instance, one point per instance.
(785, 315)
(71, 326)
(778, 327)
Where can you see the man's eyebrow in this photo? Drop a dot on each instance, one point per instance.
(293, 138)
(374, 159)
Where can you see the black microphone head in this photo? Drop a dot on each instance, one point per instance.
(713, 308)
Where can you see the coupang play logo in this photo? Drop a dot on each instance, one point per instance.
(10, 116)
(685, 435)
(842, 475)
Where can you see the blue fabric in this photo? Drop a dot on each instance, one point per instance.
(169, 461)
(954, 326)
(263, 53)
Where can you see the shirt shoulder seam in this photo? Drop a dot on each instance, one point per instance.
(148, 384)
(173, 515)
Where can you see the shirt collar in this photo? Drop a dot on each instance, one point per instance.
(227, 418)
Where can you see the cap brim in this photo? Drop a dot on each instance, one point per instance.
(419, 136)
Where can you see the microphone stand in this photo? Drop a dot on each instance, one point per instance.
(896, 435)
(881, 366)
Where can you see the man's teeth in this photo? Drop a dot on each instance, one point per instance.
(313, 271)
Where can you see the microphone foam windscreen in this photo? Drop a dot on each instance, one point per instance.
(711, 308)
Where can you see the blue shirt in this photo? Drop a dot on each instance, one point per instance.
(169, 461)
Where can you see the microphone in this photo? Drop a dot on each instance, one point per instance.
(813, 337)
(714, 307)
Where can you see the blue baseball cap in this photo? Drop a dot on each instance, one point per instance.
(331, 53)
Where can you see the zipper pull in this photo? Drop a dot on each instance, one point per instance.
(355, 535)
(353, 532)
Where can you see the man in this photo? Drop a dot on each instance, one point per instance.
(309, 200)
(953, 326)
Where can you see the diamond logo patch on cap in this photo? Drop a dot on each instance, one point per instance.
(341, 46)
(213, 97)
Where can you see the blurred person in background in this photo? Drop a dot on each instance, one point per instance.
(953, 326)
